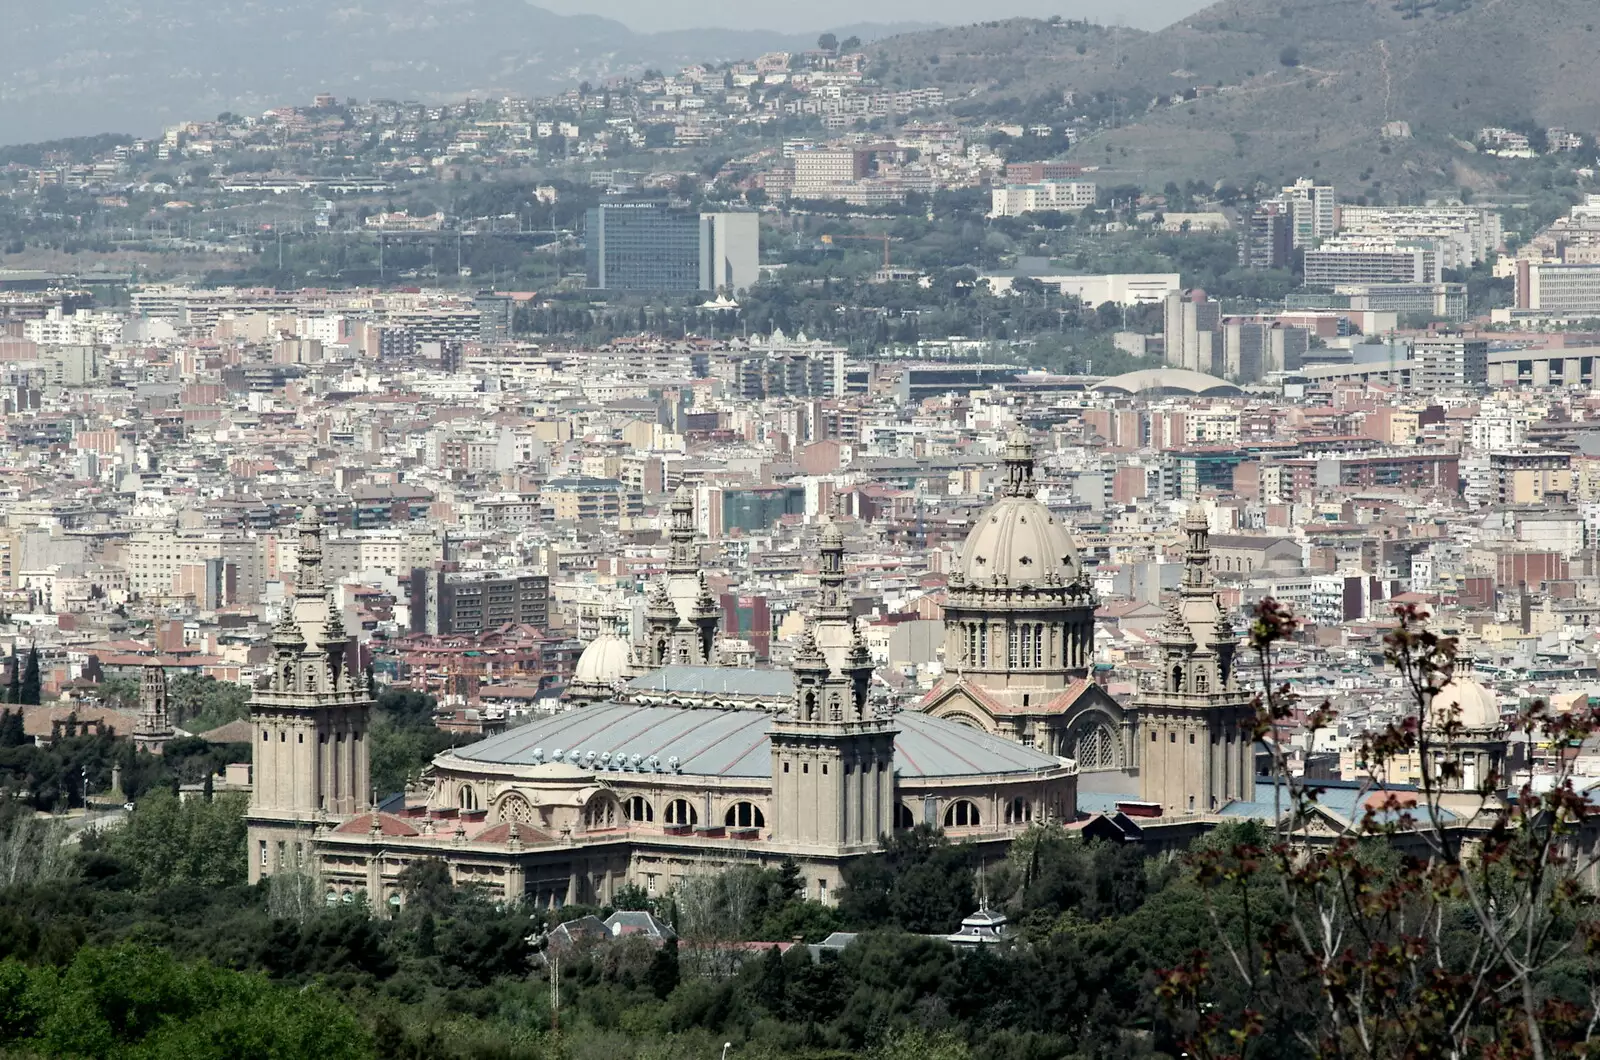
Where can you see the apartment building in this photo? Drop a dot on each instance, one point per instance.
(1361, 261)
(1267, 241)
(1530, 476)
(818, 173)
(590, 499)
(1450, 362)
(1558, 289)
(446, 602)
(1014, 200)
(155, 559)
(1190, 324)
(1314, 208)
(1252, 349)
(1465, 235)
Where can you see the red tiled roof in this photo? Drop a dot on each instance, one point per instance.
(501, 833)
(388, 822)
(39, 721)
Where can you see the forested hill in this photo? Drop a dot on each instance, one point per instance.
(1283, 85)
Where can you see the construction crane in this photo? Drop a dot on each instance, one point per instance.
(884, 239)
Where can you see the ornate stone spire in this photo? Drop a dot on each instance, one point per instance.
(286, 636)
(1197, 552)
(705, 605)
(1018, 462)
(660, 603)
(808, 654)
(1174, 630)
(335, 641)
(830, 572)
(308, 574)
(685, 557)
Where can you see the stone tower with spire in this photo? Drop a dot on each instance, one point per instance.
(309, 725)
(1198, 754)
(832, 754)
(154, 726)
(681, 618)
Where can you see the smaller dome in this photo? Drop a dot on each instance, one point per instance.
(1019, 541)
(1466, 701)
(603, 662)
(832, 536)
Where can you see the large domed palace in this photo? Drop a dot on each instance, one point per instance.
(669, 764)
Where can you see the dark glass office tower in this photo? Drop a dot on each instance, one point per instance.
(643, 246)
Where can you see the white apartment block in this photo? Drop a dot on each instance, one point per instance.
(1314, 208)
(1559, 289)
(1014, 200)
(154, 557)
(1361, 261)
(819, 172)
(1465, 235)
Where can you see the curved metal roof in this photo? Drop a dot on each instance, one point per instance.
(733, 743)
(1168, 381)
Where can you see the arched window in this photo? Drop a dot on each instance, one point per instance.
(1019, 811)
(962, 813)
(745, 815)
(904, 819)
(1177, 677)
(466, 798)
(639, 810)
(515, 808)
(680, 812)
(1094, 746)
(810, 713)
(1201, 684)
(600, 813)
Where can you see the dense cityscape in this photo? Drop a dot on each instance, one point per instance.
(815, 554)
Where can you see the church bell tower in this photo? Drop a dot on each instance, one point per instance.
(154, 727)
(832, 755)
(1197, 751)
(309, 726)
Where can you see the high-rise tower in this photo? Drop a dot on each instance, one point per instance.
(309, 726)
(1198, 753)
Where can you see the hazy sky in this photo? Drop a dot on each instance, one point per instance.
(650, 15)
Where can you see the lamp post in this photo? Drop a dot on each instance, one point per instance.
(725, 1047)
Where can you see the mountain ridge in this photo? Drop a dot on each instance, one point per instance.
(80, 67)
(1305, 85)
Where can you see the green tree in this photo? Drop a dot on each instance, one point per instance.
(30, 689)
(11, 729)
(201, 703)
(918, 882)
(168, 842)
